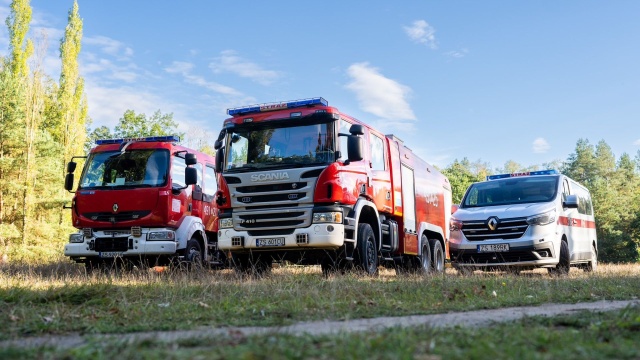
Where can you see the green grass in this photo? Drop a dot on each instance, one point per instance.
(612, 335)
(60, 299)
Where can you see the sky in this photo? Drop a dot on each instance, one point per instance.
(490, 80)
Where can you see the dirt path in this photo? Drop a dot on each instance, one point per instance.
(468, 318)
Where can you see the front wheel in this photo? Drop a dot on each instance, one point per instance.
(193, 254)
(592, 265)
(367, 250)
(564, 262)
(426, 264)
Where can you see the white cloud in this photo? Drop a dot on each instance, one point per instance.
(423, 33)
(379, 95)
(457, 53)
(540, 146)
(184, 69)
(228, 61)
(109, 46)
(637, 142)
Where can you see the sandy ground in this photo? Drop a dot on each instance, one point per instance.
(468, 318)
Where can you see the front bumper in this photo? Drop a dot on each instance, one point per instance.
(316, 236)
(530, 251)
(103, 245)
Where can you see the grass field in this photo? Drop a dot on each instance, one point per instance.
(59, 298)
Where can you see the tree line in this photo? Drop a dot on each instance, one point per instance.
(44, 122)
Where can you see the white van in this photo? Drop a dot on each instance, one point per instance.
(522, 221)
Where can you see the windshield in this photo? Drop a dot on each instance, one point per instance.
(146, 168)
(517, 190)
(278, 145)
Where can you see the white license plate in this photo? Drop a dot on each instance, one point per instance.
(278, 241)
(110, 254)
(493, 248)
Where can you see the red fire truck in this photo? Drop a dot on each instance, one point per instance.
(143, 200)
(305, 183)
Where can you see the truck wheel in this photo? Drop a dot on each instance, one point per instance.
(438, 255)
(193, 254)
(563, 263)
(367, 251)
(425, 259)
(592, 265)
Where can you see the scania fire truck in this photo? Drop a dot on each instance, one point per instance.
(305, 183)
(145, 200)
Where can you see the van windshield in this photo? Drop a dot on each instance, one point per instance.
(518, 190)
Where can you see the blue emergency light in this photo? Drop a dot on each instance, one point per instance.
(527, 173)
(277, 106)
(170, 138)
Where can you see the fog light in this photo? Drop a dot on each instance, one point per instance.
(76, 238)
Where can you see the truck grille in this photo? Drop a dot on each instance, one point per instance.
(112, 244)
(507, 229)
(275, 219)
(114, 218)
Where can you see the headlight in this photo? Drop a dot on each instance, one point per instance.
(76, 238)
(542, 219)
(455, 224)
(328, 217)
(225, 223)
(161, 235)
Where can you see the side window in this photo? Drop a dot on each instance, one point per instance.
(177, 171)
(377, 153)
(565, 190)
(210, 185)
(344, 129)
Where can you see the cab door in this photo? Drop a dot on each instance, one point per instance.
(380, 173)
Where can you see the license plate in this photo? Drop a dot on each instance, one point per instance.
(493, 248)
(278, 241)
(110, 254)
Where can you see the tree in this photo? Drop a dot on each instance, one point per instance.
(133, 125)
(71, 97)
(463, 173)
(101, 132)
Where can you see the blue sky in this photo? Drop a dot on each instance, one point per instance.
(487, 80)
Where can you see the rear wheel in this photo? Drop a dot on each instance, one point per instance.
(564, 262)
(438, 255)
(367, 250)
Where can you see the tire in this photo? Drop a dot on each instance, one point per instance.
(564, 263)
(367, 251)
(193, 255)
(425, 259)
(437, 253)
(592, 265)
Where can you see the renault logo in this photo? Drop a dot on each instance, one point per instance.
(492, 223)
(115, 208)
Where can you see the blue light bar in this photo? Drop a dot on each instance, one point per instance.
(170, 138)
(277, 106)
(527, 173)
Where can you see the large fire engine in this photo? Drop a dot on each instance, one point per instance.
(143, 200)
(305, 183)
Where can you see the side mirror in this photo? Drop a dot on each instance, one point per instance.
(68, 181)
(71, 166)
(354, 148)
(571, 202)
(356, 129)
(190, 176)
(190, 159)
(219, 160)
(217, 145)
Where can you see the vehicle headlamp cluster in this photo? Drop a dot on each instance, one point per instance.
(225, 223)
(542, 219)
(334, 217)
(161, 235)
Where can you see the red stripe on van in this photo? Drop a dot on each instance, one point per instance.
(564, 220)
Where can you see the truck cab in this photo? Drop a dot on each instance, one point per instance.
(144, 200)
